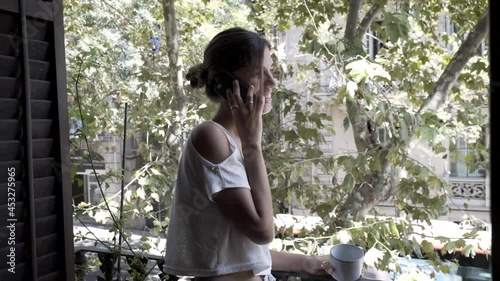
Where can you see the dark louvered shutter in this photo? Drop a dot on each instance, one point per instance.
(34, 144)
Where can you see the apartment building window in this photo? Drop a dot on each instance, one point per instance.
(482, 49)
(373, 43)
(458, 168)
(94, 195)
(78, 187)
(451, 28)
(86, 189)
(382, 134)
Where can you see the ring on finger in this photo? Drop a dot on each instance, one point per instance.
(250, 102)
(323, 263)
(234, 106)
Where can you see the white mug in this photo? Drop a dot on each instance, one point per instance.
(347, 261)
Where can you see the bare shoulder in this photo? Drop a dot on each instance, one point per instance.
(211, 142)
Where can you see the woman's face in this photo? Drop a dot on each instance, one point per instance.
(253, 77)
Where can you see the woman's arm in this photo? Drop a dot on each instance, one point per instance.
(313, 265)
(250, 210)
(287, 261)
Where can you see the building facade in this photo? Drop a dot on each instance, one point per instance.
(469, 193)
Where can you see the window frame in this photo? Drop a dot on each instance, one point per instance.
(453, 173)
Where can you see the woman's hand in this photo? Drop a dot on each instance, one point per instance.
(317, 265)
(247, 115)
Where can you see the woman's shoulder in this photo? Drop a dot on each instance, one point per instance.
(207, 131)
(211, 142)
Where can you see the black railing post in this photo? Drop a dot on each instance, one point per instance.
(122, 189)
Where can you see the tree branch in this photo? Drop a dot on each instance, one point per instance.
(367, 20)
(175, 136)
(352, 19)
(356, 117)
(358, 122)
(175, 61)
(450, 74)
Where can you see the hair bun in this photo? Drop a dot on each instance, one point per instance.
(197, 76)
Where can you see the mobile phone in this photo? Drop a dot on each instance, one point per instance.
(225, 81)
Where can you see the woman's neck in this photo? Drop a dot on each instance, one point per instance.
(225, 118)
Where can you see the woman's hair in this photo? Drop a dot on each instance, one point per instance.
(228, 51)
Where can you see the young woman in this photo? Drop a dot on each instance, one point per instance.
(222, 214)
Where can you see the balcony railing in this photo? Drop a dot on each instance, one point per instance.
(468, 188)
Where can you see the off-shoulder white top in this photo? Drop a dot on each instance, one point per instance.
(200, 241)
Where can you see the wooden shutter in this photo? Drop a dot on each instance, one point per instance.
(34, 142)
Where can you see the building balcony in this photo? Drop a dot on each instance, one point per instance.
(468, 188)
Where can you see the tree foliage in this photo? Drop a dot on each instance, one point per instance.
(411, 87)
(419, 88)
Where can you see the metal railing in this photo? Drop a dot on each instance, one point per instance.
(468, 188)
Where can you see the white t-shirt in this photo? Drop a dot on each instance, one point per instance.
(200, 241)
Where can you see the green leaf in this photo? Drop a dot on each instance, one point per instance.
(375, 164)
(307, 133)
(471, 235)
(469, 251)
(416, 249)
(362, 69)
(427, 246)
(144, 181)
(479, 67)
(155, 172)
(141, 193)
(449, 247)
(408, 119)
(397, 26)
(358, 70)
(346, 123)
(331, 46)
(314, 47)
(381, 114)
(403, 130)
(394, 229)
(351, 88)
(155, 197)
(313, 153)
(373, 256)
(428, 133)
(348, 182)
(352, 48)
(378, 71)
(344, 236)
(290, 135)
